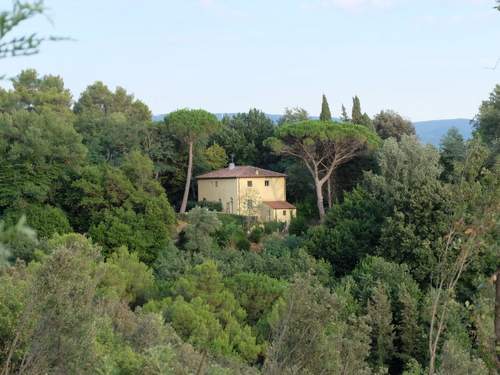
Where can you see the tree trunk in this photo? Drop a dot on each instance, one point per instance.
(188, 179)
(497, 318)
(319, 197)
(202, 363)
(329, 188)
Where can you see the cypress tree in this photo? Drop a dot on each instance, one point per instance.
(357, 115)
(325, 114)
(380, 319)
(343, 115)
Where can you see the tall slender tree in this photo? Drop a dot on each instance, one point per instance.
(380, 319)
(356, 115)
(192, 127)
(343, 115)
(325, 114)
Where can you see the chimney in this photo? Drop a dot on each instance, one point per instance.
(256, 172)
(232, 165)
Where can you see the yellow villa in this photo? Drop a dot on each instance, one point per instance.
(249, 191)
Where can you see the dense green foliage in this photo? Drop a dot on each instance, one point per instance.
(391, 124)
(322, 147)
(112, 124)
(243, 135)
(357, 117)
(98, 275)
(325, 114)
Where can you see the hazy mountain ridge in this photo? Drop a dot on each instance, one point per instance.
(430, 131)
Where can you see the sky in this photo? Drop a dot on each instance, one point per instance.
(426, 59)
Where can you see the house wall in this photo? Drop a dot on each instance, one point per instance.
(223, 189)
(277, 214)
(259, 192)
(220, 190)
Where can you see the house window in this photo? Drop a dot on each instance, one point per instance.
(249, 183)
(216, 183)
(266, 183)
(249, 204)
(284, 212)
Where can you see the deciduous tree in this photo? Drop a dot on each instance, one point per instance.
(59, 320)
(487, 122)
(391, 124)
(39, 152)
(313, 333)
(470, 230)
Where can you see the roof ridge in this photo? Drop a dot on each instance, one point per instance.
(241, 171)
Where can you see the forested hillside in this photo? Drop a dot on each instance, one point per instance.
(389, 267)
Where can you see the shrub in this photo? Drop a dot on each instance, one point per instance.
(273, 226)
(256, 234)
(44, 219)
(242, 243)
(212, 206)
(298, 226)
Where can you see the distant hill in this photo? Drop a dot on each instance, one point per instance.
(273, 117)
(432, 131)
(427, 131)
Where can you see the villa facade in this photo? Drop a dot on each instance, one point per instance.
(249, 191)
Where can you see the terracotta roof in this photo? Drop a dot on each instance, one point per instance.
(279, 205)
(239, 172)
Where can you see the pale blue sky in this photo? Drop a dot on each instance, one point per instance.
(422, 58)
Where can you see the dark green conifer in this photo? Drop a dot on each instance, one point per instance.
(325, 114)
(357, 115)
(343, 116)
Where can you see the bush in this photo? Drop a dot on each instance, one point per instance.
(44, 219)
(273, 226)
(298, 226)
(242, 243)
(256, 234)
(17, 241)
(212, 206)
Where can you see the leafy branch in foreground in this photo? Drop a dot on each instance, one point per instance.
(24, 45)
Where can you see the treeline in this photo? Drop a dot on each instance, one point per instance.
(389, 267)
